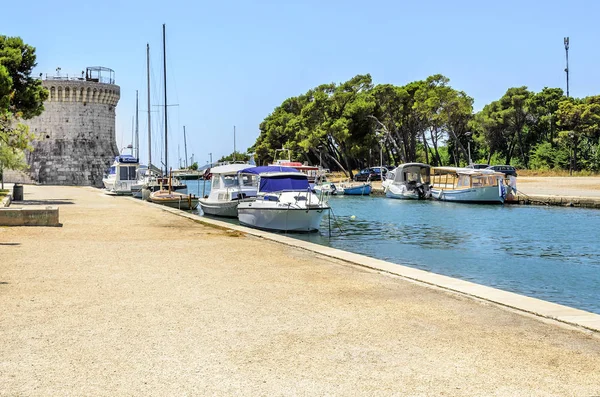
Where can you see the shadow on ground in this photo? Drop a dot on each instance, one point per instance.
(45, 202)
(10, 243)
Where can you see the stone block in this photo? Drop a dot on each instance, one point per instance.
(29, 216)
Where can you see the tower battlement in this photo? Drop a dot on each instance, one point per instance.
(75, 135)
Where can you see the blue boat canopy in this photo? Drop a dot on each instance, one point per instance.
(126, 158)
(269, 168)
(284, 183)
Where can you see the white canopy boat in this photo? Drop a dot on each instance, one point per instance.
(468, 185)
(227, 189)
(284, 201)
(121, 175)
(410, 181)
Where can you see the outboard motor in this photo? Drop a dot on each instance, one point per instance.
(420, 188)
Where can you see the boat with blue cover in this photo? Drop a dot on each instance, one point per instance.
(121, 175)
(284, 201)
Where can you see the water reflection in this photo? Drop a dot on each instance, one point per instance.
(550, 253)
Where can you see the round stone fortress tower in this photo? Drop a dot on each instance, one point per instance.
(75, 135)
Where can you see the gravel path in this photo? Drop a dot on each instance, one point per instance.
(126, 299)
(560, 186)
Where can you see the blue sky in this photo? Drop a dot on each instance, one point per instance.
(231, 63)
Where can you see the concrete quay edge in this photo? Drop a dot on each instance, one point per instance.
(521, 303)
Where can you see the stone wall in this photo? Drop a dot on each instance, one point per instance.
(76, 139)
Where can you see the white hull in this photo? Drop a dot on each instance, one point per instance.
(326, 189)
(220, 208)
(117, 187)
(281, 219)
(489, 194)
(401, 194)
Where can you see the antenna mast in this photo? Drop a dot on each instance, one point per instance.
(567, 68)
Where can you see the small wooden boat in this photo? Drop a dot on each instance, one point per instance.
(174, 199)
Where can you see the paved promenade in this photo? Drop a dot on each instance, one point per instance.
(127, 299)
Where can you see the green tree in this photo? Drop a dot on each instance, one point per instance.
(21, 97)
(235, 156)
(579, 122)
(505, 124)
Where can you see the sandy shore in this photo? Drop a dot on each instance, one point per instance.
(127, 299)
(560, 186)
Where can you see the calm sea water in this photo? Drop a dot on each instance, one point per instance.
(550, 253)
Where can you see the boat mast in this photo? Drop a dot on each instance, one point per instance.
(185, 147)
(149, 133)
(137, 128)
(234, 143)
(165, 83)
(132, 135)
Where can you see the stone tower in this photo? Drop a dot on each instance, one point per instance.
(76, 140)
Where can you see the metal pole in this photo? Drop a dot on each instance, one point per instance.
(185, 147)
(165, 82)
(149, 131)
(132, 133)
(469, 148)
(233, 143)
(137, 127)
(210, 154)
(567, 68)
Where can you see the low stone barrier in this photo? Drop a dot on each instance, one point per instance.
(47, 216)
(564, 201)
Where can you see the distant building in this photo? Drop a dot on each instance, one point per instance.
(76, 140)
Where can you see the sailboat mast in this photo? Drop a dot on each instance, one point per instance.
(234, 143)
(132, 134)
(149, 131)
(185, 147)
(137, 128)
(165, 89)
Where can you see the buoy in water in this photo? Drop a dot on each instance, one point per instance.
(353, 217)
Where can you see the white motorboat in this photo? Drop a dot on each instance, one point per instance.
(388, 180)
(468, 185)
(325, 187)
(227, 189)
(410, 181)
(121, 175)
(284, 201)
